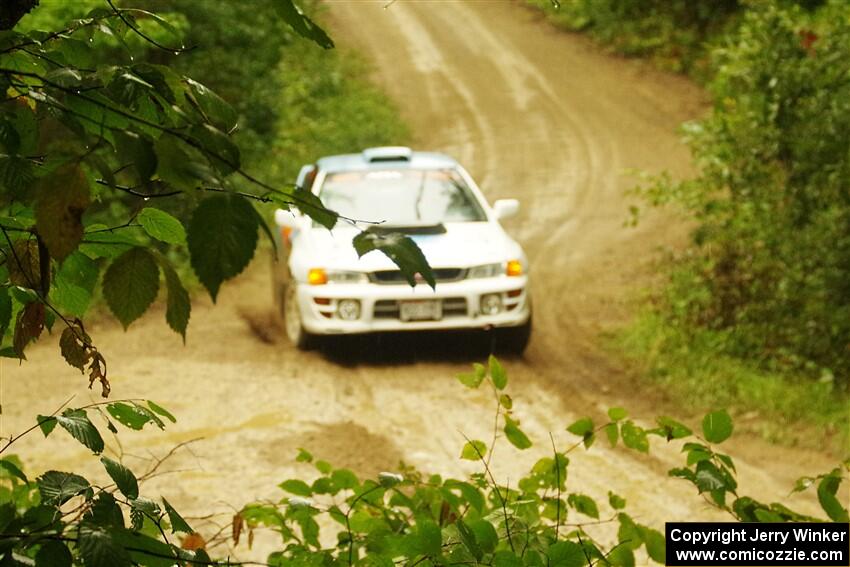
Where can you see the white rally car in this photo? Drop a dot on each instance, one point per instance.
(323, 288)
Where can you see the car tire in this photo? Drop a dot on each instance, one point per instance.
(514, 340)
(295, 331)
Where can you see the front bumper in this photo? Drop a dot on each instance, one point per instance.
(379, 305)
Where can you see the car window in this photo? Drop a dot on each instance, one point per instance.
(401, 196)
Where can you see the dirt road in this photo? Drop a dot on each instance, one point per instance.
(534, 114)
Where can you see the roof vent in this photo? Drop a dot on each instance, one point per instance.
(387, 153)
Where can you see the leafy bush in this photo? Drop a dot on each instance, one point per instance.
(89, 145)
(677, 34)
(406, 516)
(770, 273)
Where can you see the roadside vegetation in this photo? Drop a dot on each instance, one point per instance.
(756, 313)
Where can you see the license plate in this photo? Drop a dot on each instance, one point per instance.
(428, 310)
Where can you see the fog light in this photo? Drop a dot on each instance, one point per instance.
(490, 304)
(348, 309)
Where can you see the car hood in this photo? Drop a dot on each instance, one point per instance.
(461, 245)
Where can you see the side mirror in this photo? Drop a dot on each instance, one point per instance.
(505, 208)
(306, 176)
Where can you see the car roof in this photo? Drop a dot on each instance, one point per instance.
(385, 157)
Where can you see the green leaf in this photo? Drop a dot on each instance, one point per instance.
(181, 165)
(98, 548)
(13, 470)
(467, 537)
(74, 283)
(622, 556)
(53, 554)
(473, 379)
(101, 242)
(77, 423)
(146, 551)
(344, 479)
(133, 416)
(566, 554)
(162, 226)
(617, 502)
(297, 487)
(506, 402)
(827, 489)
(515, 435)
(717, 426)
(136, 150)
(634, 437)
(672, 428)
(429, 537)
(616, 414)
(473, 450)
(304, 456)
(401, 249)
(708, 477)
(130, 284)
(303, 25)
(25, 126)
(310, 204)
(156, 408)
(583, 504)
(218, 147)
(485, 535)
(628, 533)
(96, 113)
(506, 558)
(46, 424)
(214, 109)
(105, 511)
(581, 427)
(178, 306)
(497, 373)
(178, 524)
(222, 238)
(56, 487)
(5, 311)
(766, 516)
(698, 455)
(123, 477)
(655, 544)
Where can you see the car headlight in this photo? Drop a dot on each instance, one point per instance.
(343, 277)
(486, 271)
(509, 268)
(320, 276)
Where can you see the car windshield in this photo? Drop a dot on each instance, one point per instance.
(401, 196)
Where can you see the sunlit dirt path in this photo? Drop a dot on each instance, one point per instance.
(534, 114)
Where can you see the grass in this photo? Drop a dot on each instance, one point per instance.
(786, 409)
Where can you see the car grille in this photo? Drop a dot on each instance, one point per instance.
(452, 307)
(395, 277)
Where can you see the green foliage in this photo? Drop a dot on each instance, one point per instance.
(222, 238)
(339, 518)
(677, 34)
(97, 123)
(765, 282)
(427, 519)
